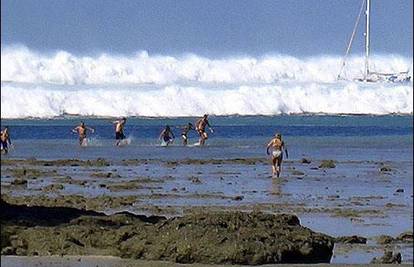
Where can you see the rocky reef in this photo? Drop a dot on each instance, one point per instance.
(211, 237)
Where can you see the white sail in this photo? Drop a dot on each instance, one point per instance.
(370, 76)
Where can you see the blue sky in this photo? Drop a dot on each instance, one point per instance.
(213, 27)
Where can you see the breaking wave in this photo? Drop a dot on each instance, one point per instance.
(48, 85)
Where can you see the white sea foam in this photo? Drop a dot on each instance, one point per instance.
(40, 85)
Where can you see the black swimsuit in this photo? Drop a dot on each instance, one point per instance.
(167, 138)
(119, 135)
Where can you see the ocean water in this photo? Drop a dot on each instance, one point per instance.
(369, 138)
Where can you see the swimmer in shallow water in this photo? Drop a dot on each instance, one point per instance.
(201, 129)
(5, 140)
(119, 130)
(167, 136)
(277, 146)
(81, 131)
(184, 133)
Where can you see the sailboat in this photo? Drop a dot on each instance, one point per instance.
(370, 76)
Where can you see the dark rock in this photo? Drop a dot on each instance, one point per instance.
(23, 215)
(305, 160)
(19, 181)
(399, 190)
(385, 239)
(196, 180)
(388, 258)
(351, 239)
(238, 198)
(385, 169)
(8, 251)
(333, 196)
(105, 175)
(405, 237)
(207, 237)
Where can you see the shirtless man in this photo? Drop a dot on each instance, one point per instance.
(201, 129)
(119, 130)
(167, 135)
(184, 133)
(81, 130)
(277, 154)
(5, 140)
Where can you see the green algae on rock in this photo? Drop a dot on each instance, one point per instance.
(327, 164)
(209, 237)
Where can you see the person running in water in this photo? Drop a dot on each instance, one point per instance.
(81, 130)
(277, 154)
(201, 129)
(5, 140)
(184, 133)
(167, 136)
(119, 130)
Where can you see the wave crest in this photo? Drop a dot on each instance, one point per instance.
(19, 101)
(19, 64)
(36, 85)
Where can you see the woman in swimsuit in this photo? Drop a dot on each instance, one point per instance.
(277, 154)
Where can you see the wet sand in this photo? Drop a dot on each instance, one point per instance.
(367, 198)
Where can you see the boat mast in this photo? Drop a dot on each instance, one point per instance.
(367, 41)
